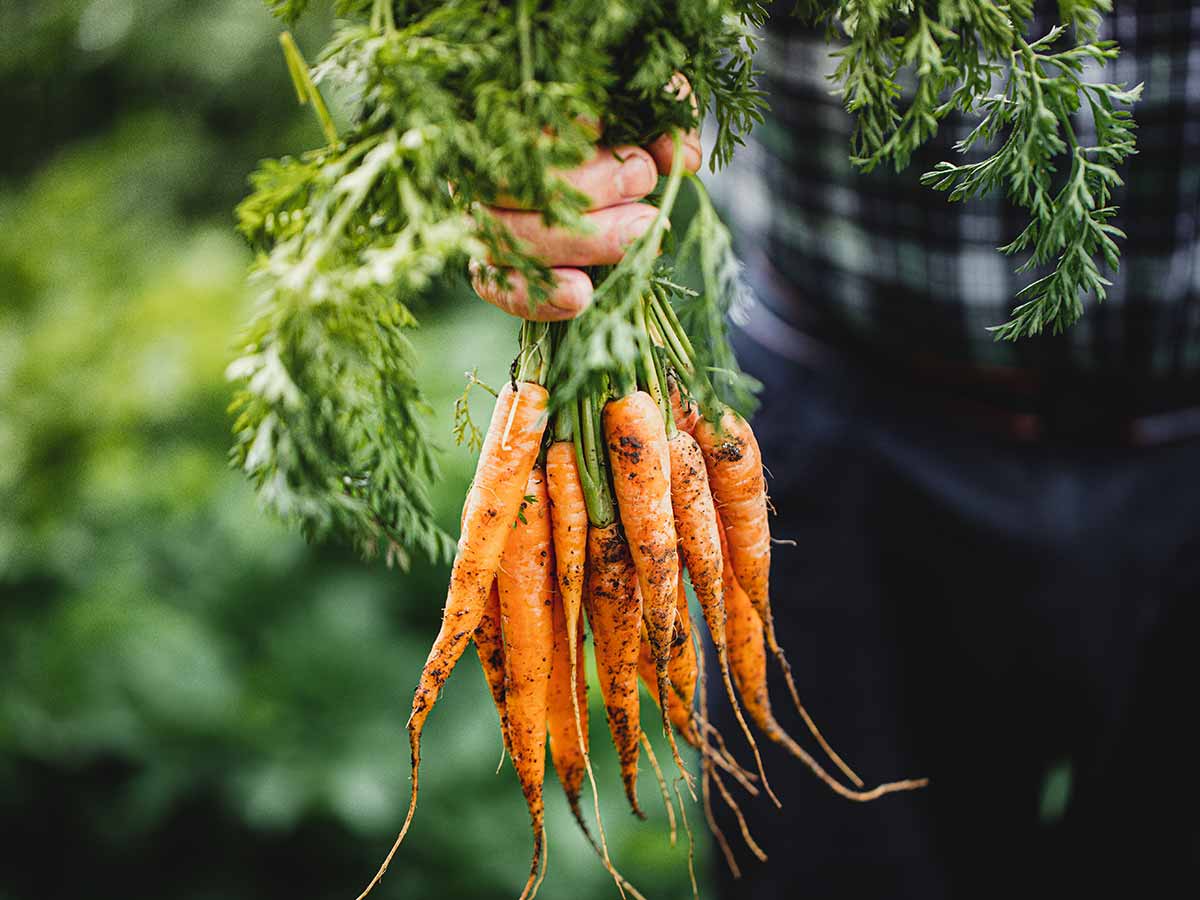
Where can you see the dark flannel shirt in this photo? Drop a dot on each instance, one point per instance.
(883, 264)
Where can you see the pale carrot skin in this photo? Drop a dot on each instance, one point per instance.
(748, 659)
(527, 585)
(489, 644)
(614, 609)
(636, 439)
(565, 749)
(509, 451)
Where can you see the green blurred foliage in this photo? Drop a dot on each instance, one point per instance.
(194, 702)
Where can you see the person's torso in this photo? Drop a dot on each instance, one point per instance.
(883, 263)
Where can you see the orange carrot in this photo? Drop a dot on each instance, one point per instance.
(509, 451)
(636, 438)
(748, 659)
(526, 581)
(565, 748)
(684, 410)
(691, 727)
(614, 608)
(735, 474)
(489, 644)
(569, 519)
(678, 711)
(640, 461)
(682, 667)
(570, 523)
(701, 544)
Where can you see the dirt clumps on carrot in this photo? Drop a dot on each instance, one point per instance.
(702, 544)
(638, 454)
(489, 644)
(527, 587)
(506, 458)
(636, 437)
(566, 749)
(682, 667)
(735, 474)
(679, 710)
(614, 608)
(604, 505)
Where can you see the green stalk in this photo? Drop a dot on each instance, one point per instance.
(625, 381)
(670, 340)
(306, 89)
(653, 238)
(693, 375)
(645, 353)
(588, 441)
(664, 390)
(524, 27)
(595, 486)
(650, 367)
(638, 265)
(562, 429)
(535, 353)
(672, 324)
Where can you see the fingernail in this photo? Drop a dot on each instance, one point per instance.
(632, 229)
(636, 177)
(572, 296)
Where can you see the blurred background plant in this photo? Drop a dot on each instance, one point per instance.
(193, 701)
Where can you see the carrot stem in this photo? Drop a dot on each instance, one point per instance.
(640, 262)
(664, 395)
(691, 374)
(670, 340)
(592, 469)
(667, 312)
(306, 89)
(650, 367)
(534, 359)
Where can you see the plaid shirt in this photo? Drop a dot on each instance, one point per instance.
(880, 263)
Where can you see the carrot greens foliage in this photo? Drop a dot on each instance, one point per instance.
(484, 96)
(455, 101)
(979, 59)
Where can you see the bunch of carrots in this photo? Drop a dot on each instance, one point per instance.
(600, 506)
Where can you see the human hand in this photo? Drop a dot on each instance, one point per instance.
(616, 179)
